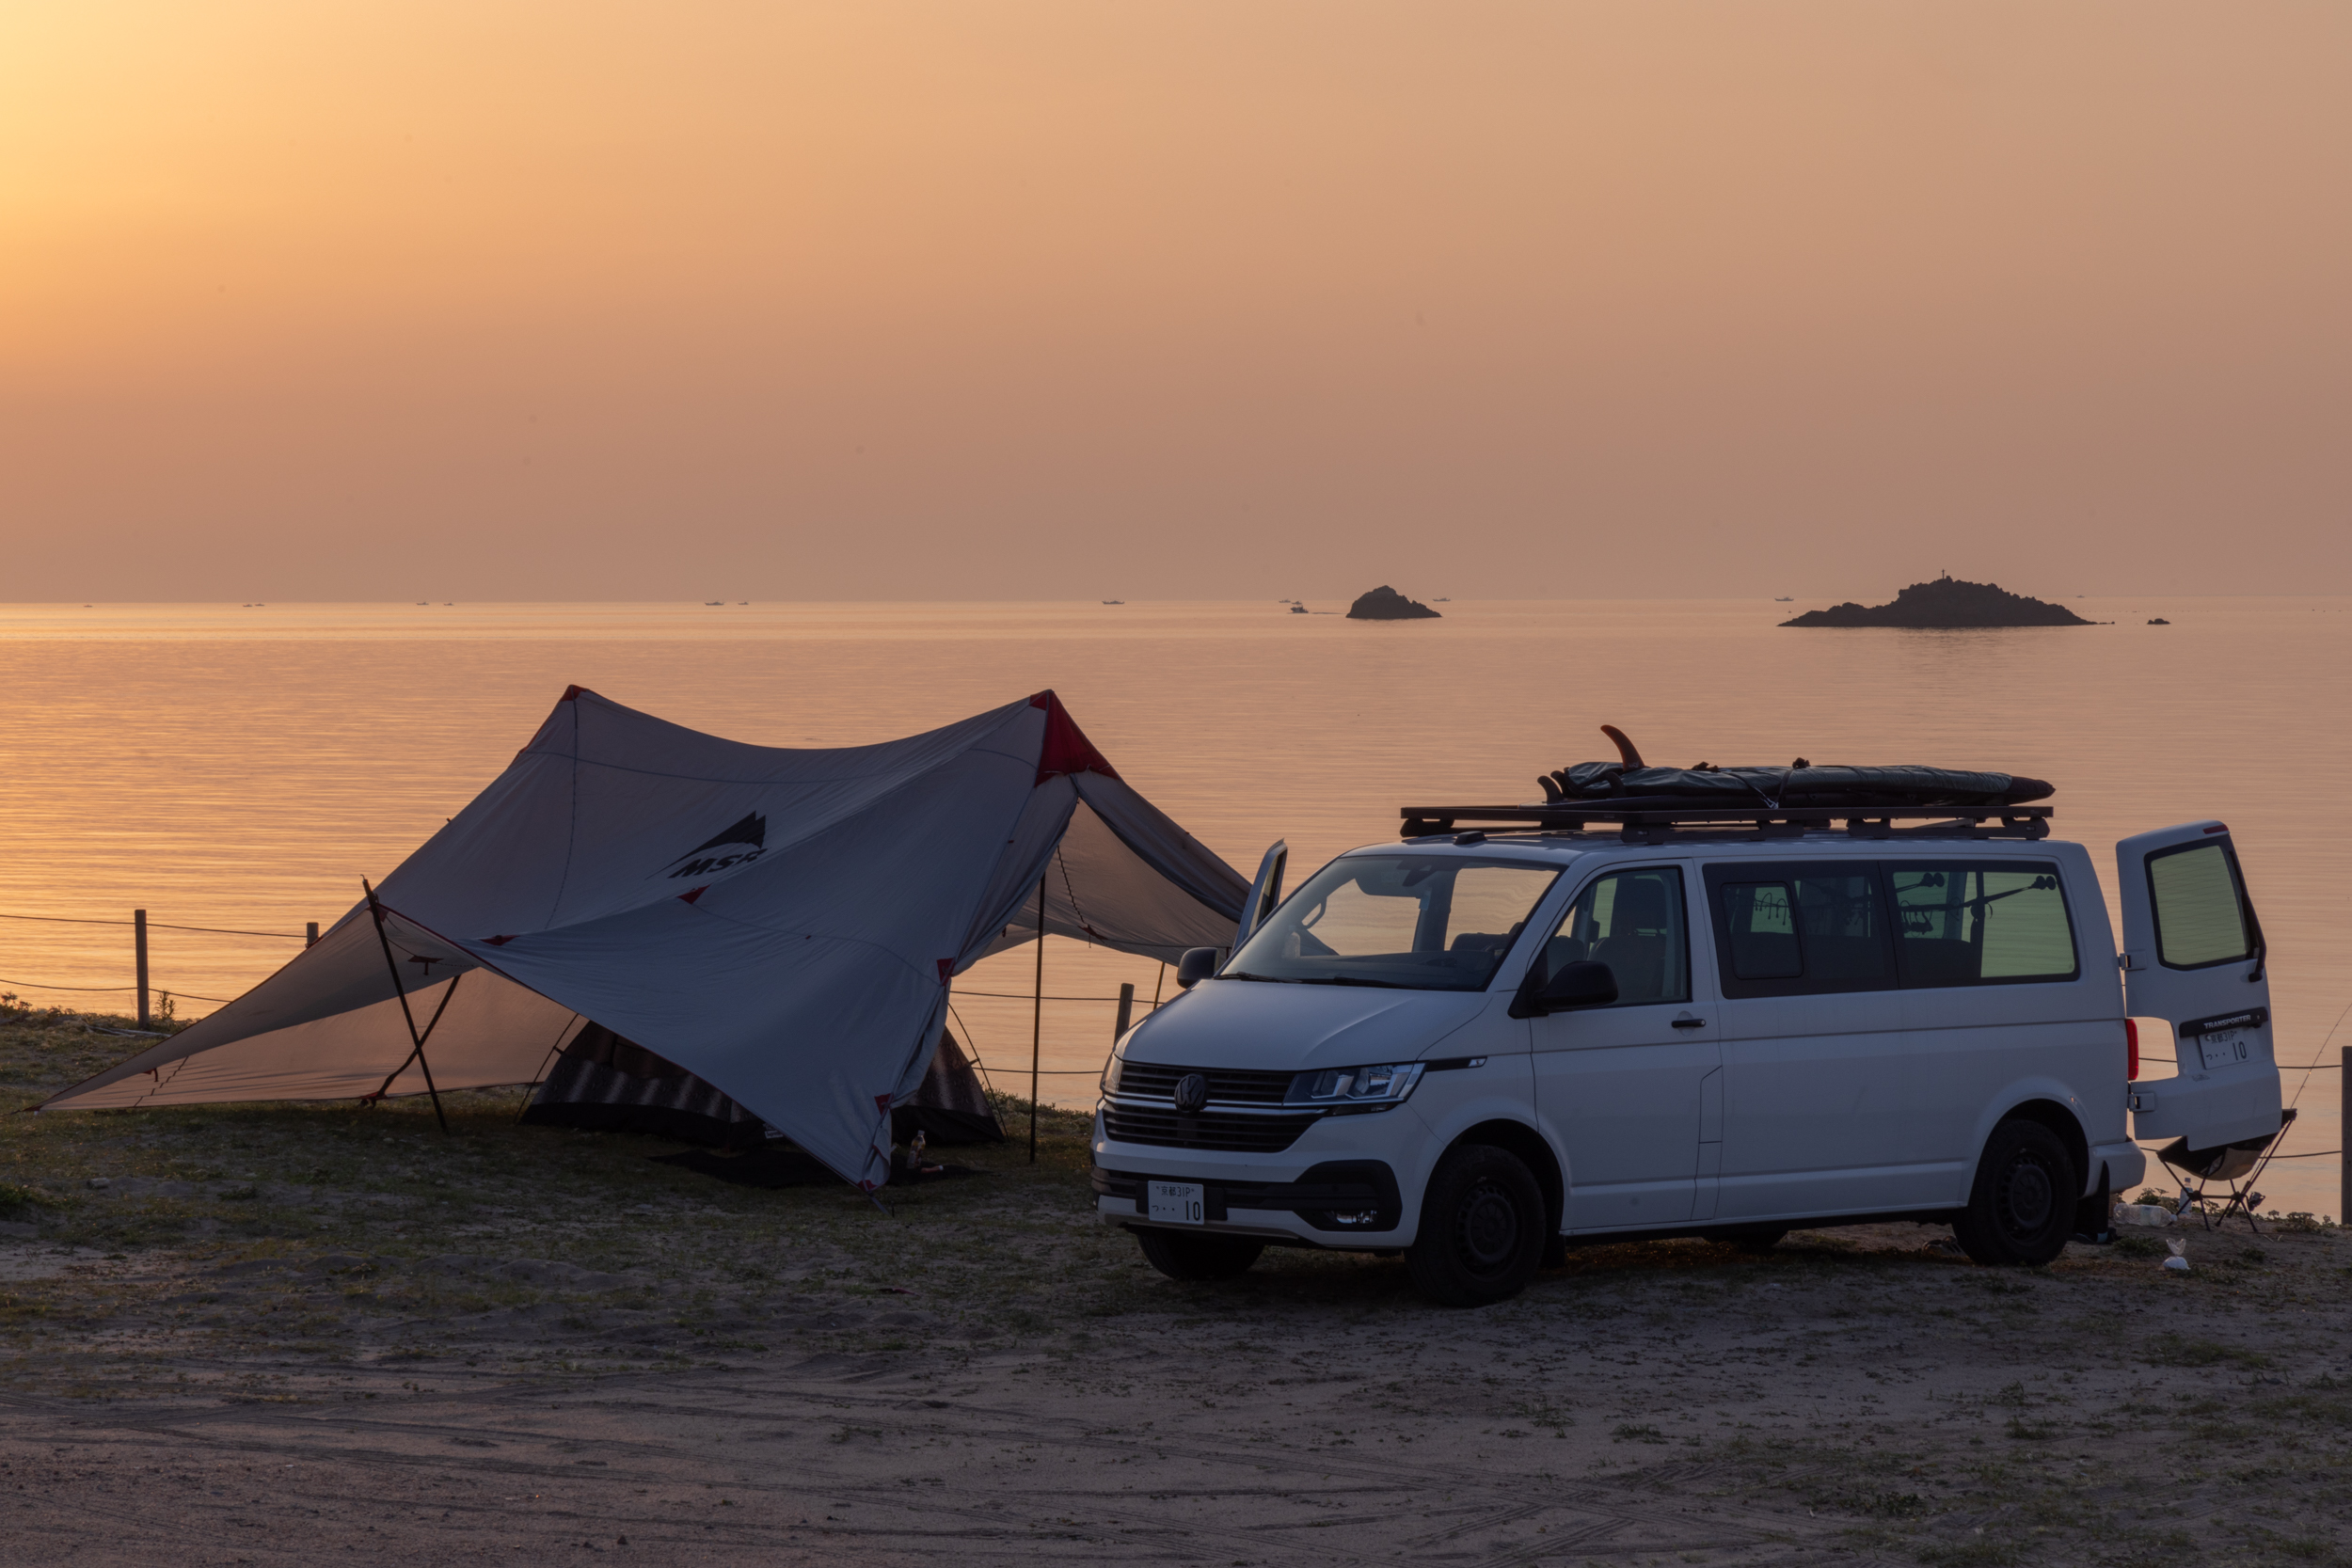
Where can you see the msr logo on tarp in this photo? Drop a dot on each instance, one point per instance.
(751, 834)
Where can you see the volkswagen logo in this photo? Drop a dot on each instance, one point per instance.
(1192, 1092)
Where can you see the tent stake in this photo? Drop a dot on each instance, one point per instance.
(416, 1041)
(1036, 1018)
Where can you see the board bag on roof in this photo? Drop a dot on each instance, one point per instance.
(1799, 785)
(1790, 788)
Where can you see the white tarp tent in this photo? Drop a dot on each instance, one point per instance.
(783, 924)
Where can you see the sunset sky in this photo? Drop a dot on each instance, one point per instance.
(1069, 299)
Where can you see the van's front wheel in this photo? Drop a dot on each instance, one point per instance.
(1482, 1228)
(2022, 1208)
(1182, 1256)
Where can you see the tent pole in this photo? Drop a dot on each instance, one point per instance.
(1037, 1018)
(416, 1051)
(416, 1041)
(547, 1061)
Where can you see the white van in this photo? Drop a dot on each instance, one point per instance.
(1476, 1047)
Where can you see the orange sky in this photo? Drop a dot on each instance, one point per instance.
(1060, 298)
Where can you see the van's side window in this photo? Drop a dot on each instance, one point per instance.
(1969, 923)
(1633, 921)
(1763, 929)
(1793, 930)
(1843, 927)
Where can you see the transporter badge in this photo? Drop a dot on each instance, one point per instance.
(1192, 1092)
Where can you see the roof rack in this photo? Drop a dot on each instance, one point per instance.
(1641, 824)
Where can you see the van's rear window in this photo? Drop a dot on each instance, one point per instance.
(2200, 916)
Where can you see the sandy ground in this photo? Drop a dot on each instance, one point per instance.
(1852, 1396)
(303, 1334)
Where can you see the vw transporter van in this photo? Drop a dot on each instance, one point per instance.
(1478, 1046)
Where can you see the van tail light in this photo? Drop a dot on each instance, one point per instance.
(2131, 1043)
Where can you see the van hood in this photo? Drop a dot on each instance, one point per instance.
(1289, 1028)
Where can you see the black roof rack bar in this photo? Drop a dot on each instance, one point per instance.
(2020, 821)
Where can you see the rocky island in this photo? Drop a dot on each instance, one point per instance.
(1944, 603)
(1386, 604)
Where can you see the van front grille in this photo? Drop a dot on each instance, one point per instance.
(1227, 1085)
(1171, 1129)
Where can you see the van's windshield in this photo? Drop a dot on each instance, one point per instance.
(1405, 921)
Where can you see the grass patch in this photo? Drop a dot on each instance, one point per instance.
(506, 1244)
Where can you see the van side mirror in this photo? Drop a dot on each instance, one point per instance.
(1582, 984)
(1198, 964)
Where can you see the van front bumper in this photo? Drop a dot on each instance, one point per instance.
(1337, 1200)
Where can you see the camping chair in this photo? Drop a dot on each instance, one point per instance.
(2233, 1168)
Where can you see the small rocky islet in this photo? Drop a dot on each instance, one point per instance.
(1386, 604)
(1943, 604)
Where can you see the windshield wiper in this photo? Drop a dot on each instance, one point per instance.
(1319, 980)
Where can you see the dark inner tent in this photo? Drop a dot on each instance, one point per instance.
(600, 1082)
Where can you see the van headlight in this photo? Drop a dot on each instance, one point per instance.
(1371, 1087)
(1111, 1067)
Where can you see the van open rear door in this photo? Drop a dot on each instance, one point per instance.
(2193, 956)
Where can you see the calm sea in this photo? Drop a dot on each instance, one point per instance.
(242, 768)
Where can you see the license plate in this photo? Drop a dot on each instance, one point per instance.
(2223, 1048)
(1182, 1202)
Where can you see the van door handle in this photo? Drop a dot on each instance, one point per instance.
(1689, 1023)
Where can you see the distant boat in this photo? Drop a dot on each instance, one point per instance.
(1298, 609)
(1784, 599)
(1441, 600)
(715, 601)
(2159, 621)
(1114, 601)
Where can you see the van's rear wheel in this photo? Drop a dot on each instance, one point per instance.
(1482, 1228)
(2022, 1208)
(1182, 1256)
